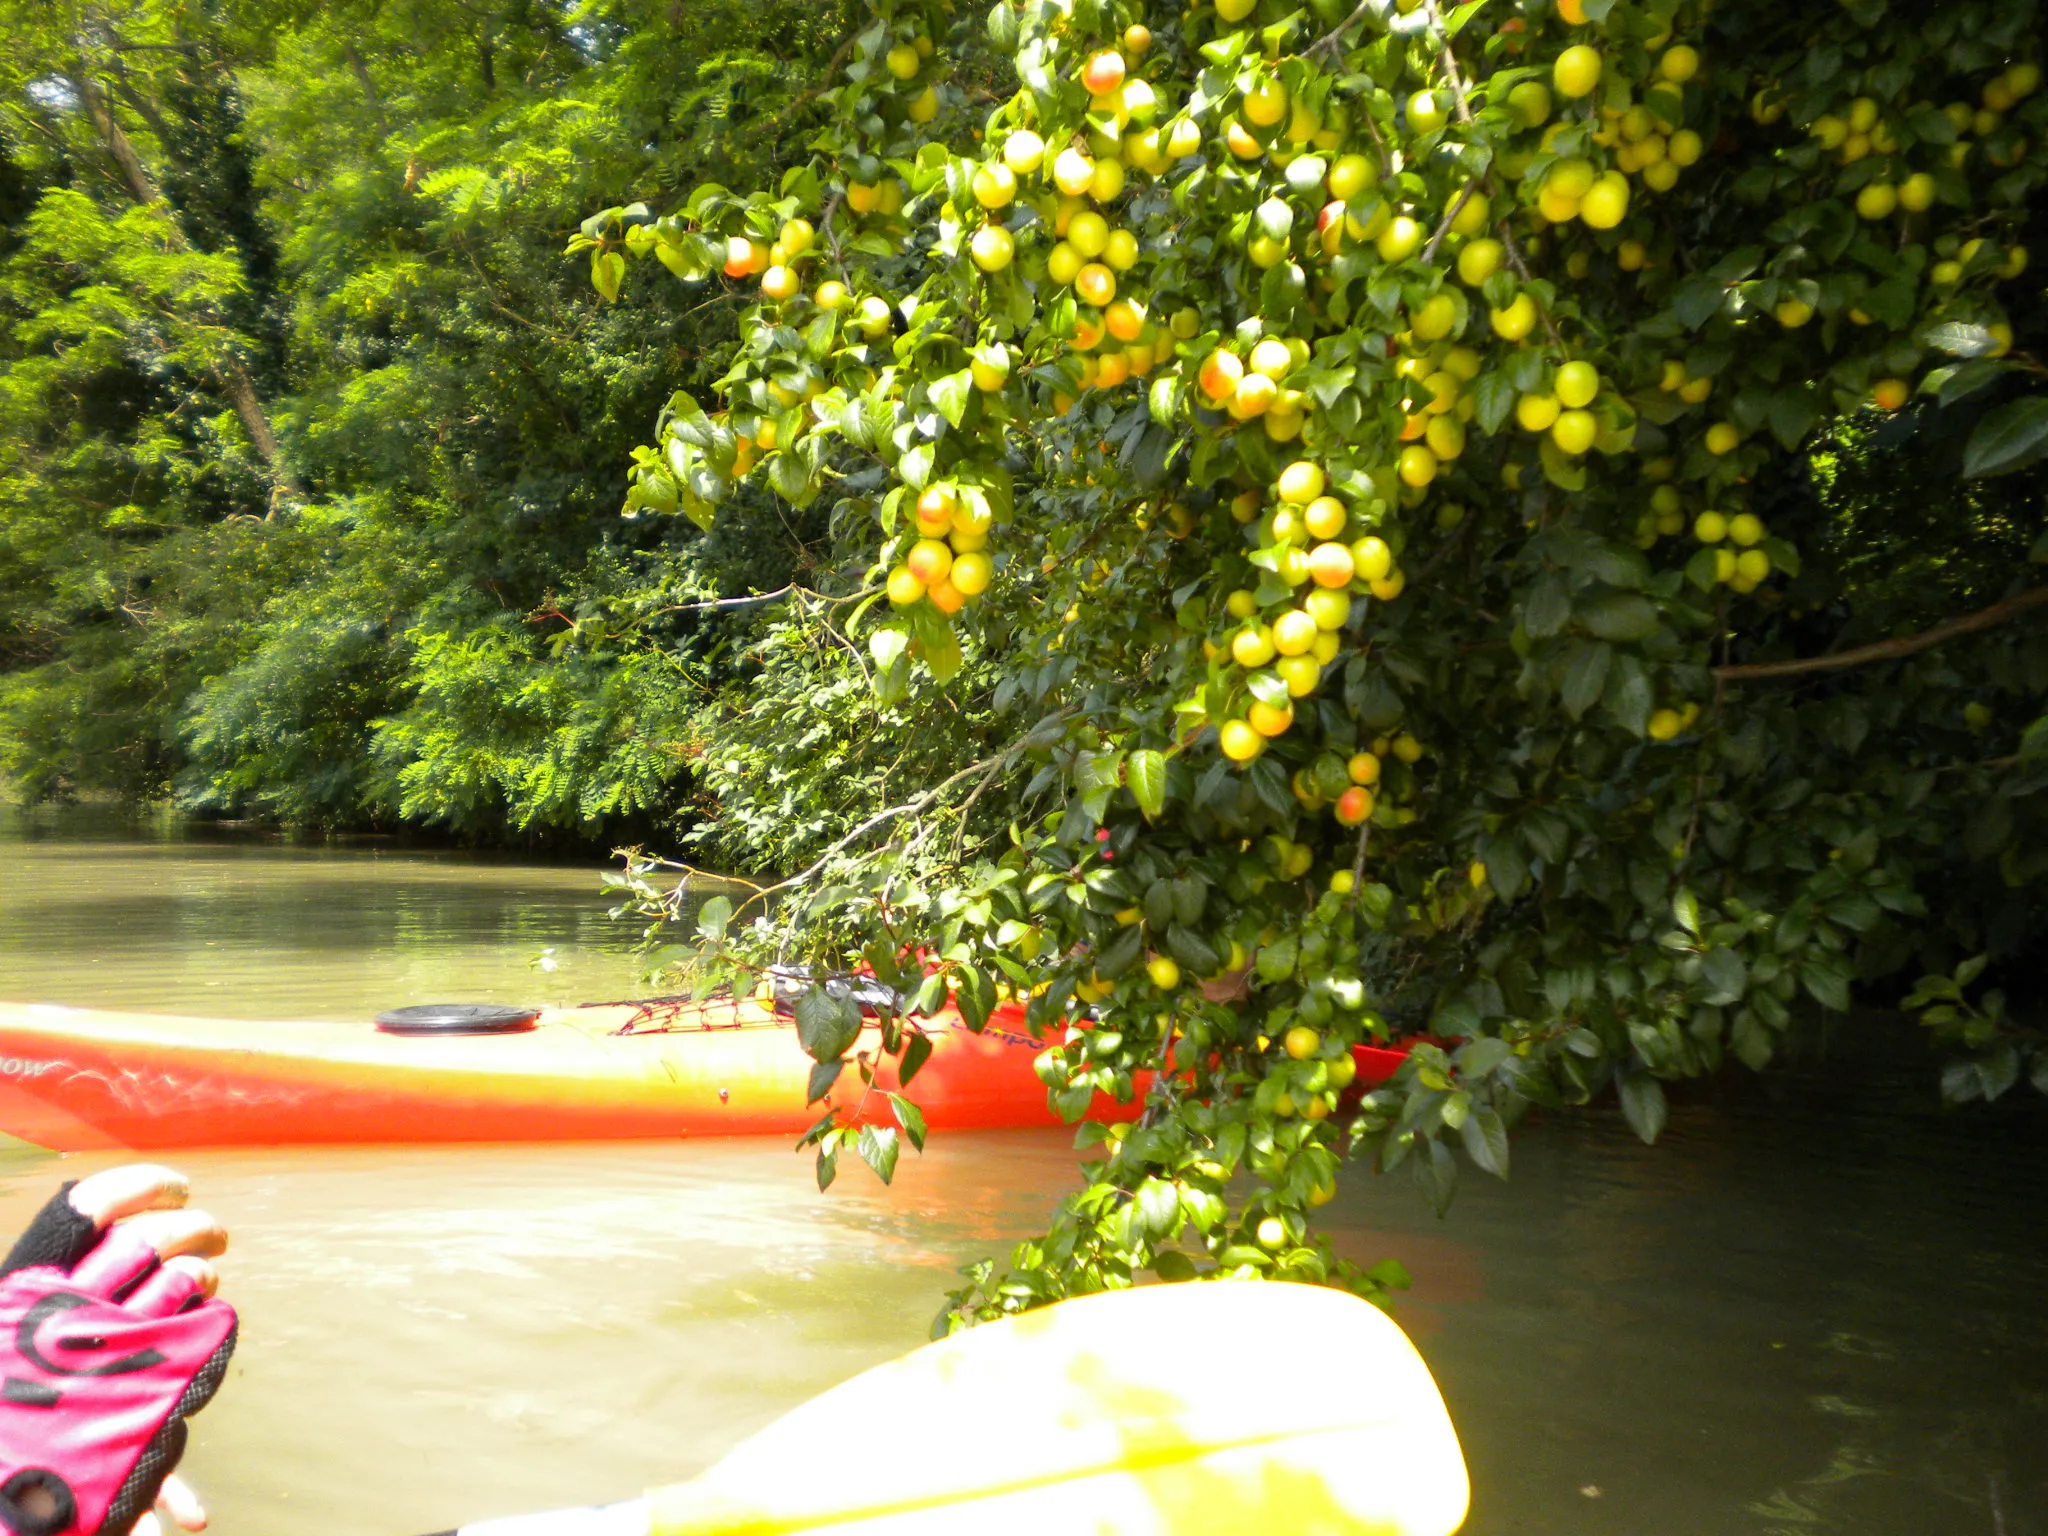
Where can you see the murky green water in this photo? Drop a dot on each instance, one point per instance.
(1817, 1307)
(95, 909)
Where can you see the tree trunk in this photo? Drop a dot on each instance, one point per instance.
(233, 377)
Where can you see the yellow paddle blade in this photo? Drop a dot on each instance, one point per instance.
(1165, 1411)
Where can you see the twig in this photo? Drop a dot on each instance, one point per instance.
(831, 68)
(792, 590)
(825, 227)
(1699, 786)
(1891, 650)
(1444, 224)
(908, 808)
(1461, 104)
(1450, 61)
(1333, 40)
(1159, 1098)
(1514, 255)
(726, 602)
(490, 293)
(960, 832)
(851, 649)
(1358, 863)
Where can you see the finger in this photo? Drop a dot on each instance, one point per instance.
(180, 1281)
(148, 1525)
(132, 1249)
(171, 1233)
(125, 1191)
(177, 1504)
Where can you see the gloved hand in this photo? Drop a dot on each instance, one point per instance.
(109, 1340)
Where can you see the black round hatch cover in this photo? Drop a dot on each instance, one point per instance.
(457, 1019)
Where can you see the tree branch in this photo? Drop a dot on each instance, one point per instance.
(117, 142)
(1890, 650)
(1334, 39)
(1462, 105)
(909, 807)
(831, 68)
(1443, 225)
(234, 377)
(361, 71)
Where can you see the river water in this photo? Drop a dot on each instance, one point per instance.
(1817, 1306)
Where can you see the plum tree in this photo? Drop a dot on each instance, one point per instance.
(1388, 639)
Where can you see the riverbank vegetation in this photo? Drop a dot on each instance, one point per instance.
(1280, 527)
(309, 438)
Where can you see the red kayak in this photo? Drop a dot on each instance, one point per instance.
(74, 1079)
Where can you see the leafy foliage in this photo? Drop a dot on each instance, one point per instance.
(1420, 497)
(362, 204)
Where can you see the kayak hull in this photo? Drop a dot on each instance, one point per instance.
(79, 1079)
(76, 1079)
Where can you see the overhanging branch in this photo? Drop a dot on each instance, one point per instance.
(1890, 650)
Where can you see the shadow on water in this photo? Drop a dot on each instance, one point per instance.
(1815, 1306)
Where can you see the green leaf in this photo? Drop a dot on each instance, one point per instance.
(712, 918)
(2008, 438)
(1792, 415)
(1629, 696)
(1828, 985)
(791, 479)
(1585, 676)
(951, 394)
(1158, 1209)
(917, 1050)
(1960, 338)
(1725, 975)
(1493, 397)
(607, 271)
(1391, 1273)
(1547, 608)
(942, 655)
(1120, 953)
(1145, 770)
(1507, 867)
(1685, 907)
(823, 1075)
(1560, 468)
(910, 1117)
(1620, 616)
(878, 1146)
(826, 1026)
(1486, 1140)
(1437, 1173)
(1644, 1105)
(1477, 1058)
(1193, 951)
(1070, 1104)
(1275, 961)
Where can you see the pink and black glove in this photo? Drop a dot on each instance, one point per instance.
(104, 1353)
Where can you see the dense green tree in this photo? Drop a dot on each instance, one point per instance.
(362, 209)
